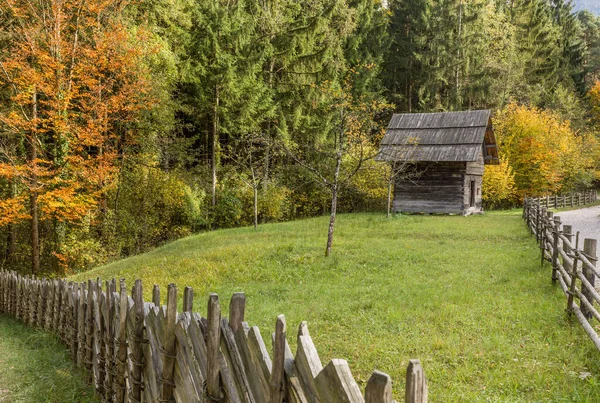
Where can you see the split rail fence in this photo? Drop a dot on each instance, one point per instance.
(136, 351)
(567, 200)
(573, 267)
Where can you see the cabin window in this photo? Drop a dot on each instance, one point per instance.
(472, 201)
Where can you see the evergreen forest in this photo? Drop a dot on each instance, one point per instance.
(125, 125)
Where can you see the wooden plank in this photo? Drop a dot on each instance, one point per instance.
(136, 339)
(188, 299)
(379, 388)
(416, 383)
(109, 341)
(187, 374)
(212, 345)
(81, 311)
(119, 384)
(307, 362)
(260, 359)
(198, 343)
(41, 299)
(156, 295)
(277, 384)
(237, 307)
(99, 348)
(89, 330)
(168, 351)
(258, 383)
(335, 383)
(589, 330)
(233, 358)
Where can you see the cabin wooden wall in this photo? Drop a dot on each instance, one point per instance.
(438, 189)
(442, 187)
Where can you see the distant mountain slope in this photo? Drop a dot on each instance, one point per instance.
(591, 5)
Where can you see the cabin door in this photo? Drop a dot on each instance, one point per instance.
(472, 195)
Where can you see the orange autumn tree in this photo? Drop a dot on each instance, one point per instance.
(543, 152)
(72, 73)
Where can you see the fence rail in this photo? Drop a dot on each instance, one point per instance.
(136, 351)
(574, 268)
(566, 200)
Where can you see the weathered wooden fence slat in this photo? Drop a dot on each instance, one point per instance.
(136, 351)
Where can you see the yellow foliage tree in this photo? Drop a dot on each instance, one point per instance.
(498, 188)
(545, 153)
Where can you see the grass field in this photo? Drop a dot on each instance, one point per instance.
(465, 295)
(35, 367)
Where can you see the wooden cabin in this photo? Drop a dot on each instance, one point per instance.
(447, 153)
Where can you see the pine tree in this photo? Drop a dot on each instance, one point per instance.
(403, 68)
(537, 39)
(571, 43)
(591, 35)
(224, 85)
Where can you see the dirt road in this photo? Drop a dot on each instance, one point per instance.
(586, 221)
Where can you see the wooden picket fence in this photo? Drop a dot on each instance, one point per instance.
(566, 200)
(572, 267)
(136, 351)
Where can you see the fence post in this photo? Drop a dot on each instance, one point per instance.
(237, 308)
(589, 250)
(109, 342)
(72, 318)
(188, 299)
(89, 329)
(568, 233)
(276, 384)
(18, 310)
(168, 350)
(136, 357)
(99, 335)
(39, 317)
(156, 295)
(81, 325)
(416, 383)
(379, 388)
(538, 208)
(213, 316)
(546, 223)
(121, 344)
(555, 239)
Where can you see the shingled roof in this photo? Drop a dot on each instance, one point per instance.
(440, 137)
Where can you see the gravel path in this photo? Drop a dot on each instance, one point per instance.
(585, 220)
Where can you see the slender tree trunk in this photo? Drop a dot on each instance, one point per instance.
(334, 197)
(255, 188)
(33, 196)
(215, 145)
(389, 195)
(269, 137)
(457, 68)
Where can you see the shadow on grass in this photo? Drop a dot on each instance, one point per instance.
(36, 367)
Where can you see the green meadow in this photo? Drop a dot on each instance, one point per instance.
(465, 295)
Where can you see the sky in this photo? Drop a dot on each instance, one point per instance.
(592, 5)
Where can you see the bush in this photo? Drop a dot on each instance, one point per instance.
(498, 188)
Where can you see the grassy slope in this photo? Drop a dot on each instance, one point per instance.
(35, 367)
(465, 295)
